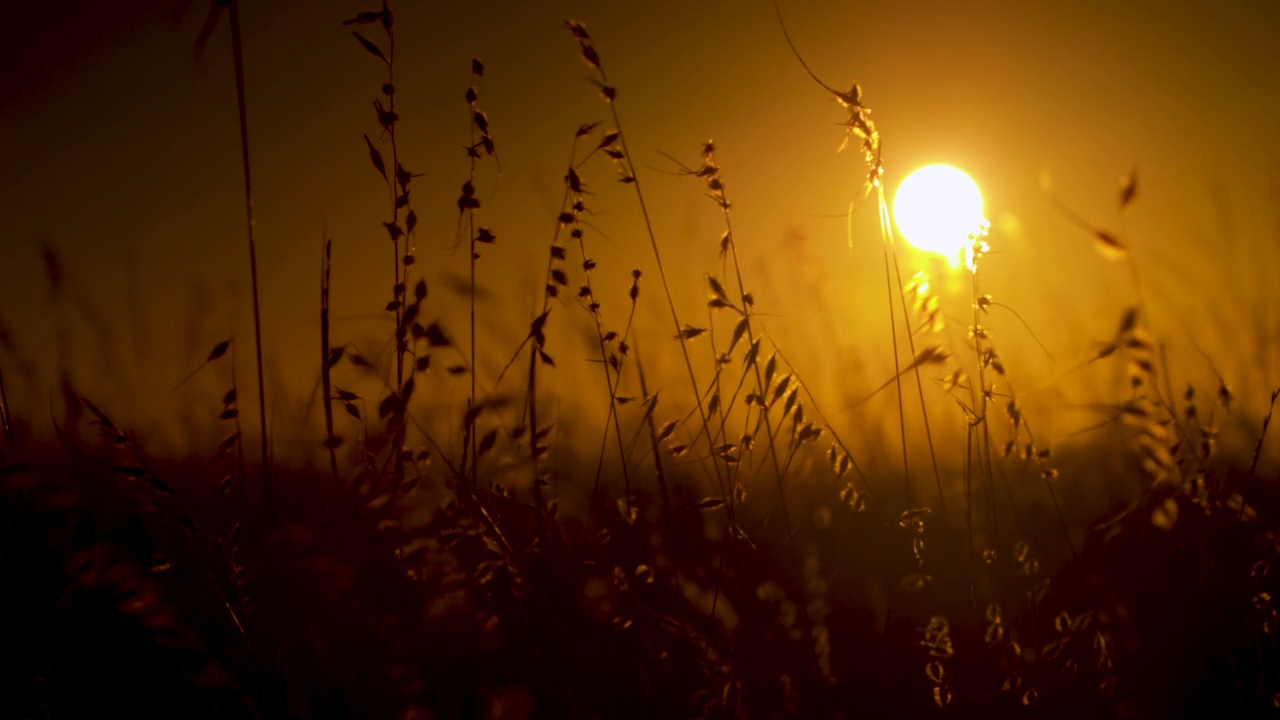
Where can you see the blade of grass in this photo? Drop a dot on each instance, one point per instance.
(1257, 452)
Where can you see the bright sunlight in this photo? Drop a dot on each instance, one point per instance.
(936, 208)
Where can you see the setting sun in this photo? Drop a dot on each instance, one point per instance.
(936, 208)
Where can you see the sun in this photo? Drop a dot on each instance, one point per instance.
(936, 208)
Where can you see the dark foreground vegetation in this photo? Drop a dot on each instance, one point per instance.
(122, 596)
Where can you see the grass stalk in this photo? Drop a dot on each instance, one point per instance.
(609, 361)
(6, 421)
(911, 346)
(326, 365)
(472, 156)
(539, 501)
(630, 176)
(1257, 453)
(400, 272)
(663, 495)
(968, 487)
(813, 403)
(981, 404)
(237, 51)
(897, 364)
(719, 196)
(241, 496)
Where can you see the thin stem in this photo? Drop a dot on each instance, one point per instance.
(1048, 484)
(534, 349)
(330, 441)
(5, 420)
(471, 234)
(968, 485)
(539, 502)
(897, 369)
(237, 51)
(813, 403)
(241, 496)
(1257, 452)
(1028, 328)
(400, 274)
(911, 345)
(653, 439)
(666, 287)
(983, 409)
(612, 386)
(779, 472)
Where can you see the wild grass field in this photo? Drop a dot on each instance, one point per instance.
(632, 497)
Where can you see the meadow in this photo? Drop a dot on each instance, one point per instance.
(646, 492)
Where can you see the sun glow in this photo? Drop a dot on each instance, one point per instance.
(936, 208)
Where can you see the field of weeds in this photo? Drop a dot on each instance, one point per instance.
(624, 504)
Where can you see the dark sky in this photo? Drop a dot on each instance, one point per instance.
(120, 148)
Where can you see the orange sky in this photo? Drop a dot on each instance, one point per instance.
(121, 149)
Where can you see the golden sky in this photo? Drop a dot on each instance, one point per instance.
(120, 148)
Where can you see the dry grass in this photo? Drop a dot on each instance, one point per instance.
(713, 548)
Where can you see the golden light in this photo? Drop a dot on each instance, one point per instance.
(936, 208)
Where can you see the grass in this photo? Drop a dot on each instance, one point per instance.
(714, 547)
(251, 234)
